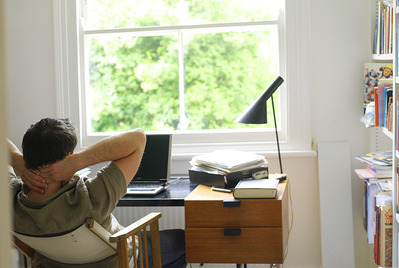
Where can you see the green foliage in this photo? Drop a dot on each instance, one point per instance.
(134, 80)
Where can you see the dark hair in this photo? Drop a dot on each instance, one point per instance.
(48, 141)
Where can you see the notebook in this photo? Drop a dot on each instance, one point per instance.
(153, 174)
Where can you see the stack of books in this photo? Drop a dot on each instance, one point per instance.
(378, 165)
(383, 229)
(383, 31)
(217, 167)
(378, 101)
(377, 219)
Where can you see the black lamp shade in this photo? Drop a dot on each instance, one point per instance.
(257, 112)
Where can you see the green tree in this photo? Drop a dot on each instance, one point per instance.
(134, 80)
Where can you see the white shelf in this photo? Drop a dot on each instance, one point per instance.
(387, 57)
(387, 133)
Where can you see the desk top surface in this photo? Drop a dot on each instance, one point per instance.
(203, 192)
(180, 189)
(174, 195)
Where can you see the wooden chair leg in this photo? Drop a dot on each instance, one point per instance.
(155, 244)
(123, 257)
(25, 262)
(145, 247)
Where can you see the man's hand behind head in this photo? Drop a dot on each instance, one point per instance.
(60, 171)
(32, 180)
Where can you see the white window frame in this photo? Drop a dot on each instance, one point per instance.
(294, 135)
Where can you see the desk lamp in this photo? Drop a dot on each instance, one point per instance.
(257, 114)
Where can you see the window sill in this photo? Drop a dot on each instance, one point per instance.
(180, 163)
(268, 154)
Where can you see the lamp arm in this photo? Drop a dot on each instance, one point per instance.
(278, 142)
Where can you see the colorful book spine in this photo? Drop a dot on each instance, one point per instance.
(376, 108)
(386, 236)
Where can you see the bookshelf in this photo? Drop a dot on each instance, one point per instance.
(394, 135)
(385, 53)
(395, 138)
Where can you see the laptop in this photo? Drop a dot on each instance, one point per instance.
(152, 176)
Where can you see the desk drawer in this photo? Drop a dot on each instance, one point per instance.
(245, 245)
(249, 213)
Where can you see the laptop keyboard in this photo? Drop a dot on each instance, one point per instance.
(144, 185)
(144, 188)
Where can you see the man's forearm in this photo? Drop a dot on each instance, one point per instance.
(15, 155)
(29, 177)
(110, 149)
(16, 158)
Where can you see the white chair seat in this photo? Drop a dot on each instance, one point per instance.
(83, 245)
(91, 243)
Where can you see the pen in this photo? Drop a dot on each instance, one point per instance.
(220, 189)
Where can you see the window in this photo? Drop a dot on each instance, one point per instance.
(186, 66)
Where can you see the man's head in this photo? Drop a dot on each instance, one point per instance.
(48, 141)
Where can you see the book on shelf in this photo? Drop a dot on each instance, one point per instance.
(370, 173)
(377, 89)
(377, 158)
(364, 174)
(378, 165)
(383, 229)
(261, 188)
(380, 171)
(382, 92)
(387, 105)
(376, 193)
(375, 163)
(371, 189)
(383, 30)
(386, 236)
(382, 155)
(397, 124)
(375, 74)
(377, 98)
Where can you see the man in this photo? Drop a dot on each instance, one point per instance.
(50, 202)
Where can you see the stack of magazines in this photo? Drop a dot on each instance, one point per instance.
(225, 162)
(378, 165)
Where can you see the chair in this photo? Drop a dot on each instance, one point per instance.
(91, 242)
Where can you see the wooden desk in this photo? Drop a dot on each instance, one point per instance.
(221, 229)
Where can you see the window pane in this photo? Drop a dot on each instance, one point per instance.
(225, 73)
(133, 83)
(108, 14)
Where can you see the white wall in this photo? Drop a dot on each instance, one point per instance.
(340, 44)
(5, 209)
(30, 63)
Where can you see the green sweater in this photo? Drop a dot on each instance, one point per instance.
(66, 210)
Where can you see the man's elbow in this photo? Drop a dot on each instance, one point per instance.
(139, 137)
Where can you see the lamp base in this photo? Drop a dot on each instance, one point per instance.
(278, 176)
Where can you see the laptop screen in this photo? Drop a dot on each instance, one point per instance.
(155, 163)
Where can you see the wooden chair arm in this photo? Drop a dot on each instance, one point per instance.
(135, 227)
(24, 248)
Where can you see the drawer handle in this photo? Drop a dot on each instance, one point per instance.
(232, 232)
(231, 203)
